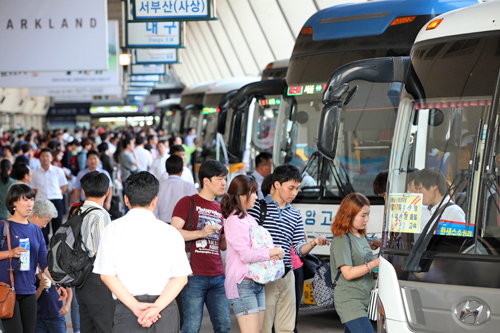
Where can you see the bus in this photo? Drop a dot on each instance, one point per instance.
(249, 123)
(439, 274)
(166, 110)
(329, 39)
(191, 105)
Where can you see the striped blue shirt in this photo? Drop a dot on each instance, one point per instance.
(285, 226)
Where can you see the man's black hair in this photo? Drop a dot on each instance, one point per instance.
(104, 136)
(209, 169)
(285, 173)
(431, 176)
(262, 158)
(176, 148)
(92, 152)
(411, 173)
(26, 148)
(102, 147)
(21, 159)
(174, 164)
(45, 150)
(139, 140)
(74, 143)
(171, 140)
(141, 188)
(125, 142)
(95, 184)
(380, 182)
(267, 184)
(151, 137)
(17, 192)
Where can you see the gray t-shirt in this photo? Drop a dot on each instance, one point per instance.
(127, 165)
(351, 297)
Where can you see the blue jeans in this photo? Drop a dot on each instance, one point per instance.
(252, 298)
(75, 314)
(359, 325)
(207, 290)
(52, 325)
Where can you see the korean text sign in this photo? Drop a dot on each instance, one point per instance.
(404, 212)
(153, 34)
(171, 9)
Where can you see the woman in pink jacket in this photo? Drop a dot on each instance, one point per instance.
(246, 295)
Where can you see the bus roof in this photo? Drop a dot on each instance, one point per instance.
(482, 17)
(226, 85)
(373, 18)
(197, 88)
(168, 102)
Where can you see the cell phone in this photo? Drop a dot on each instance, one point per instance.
(217, 225)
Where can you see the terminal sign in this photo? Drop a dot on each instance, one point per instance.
(153, 34)
(172, 9)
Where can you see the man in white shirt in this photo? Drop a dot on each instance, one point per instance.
(96, 304)
(172, 189)
(158, 166)
(153, 142)
(144, 157)
(431, 183)
(187, 175)
(189, 140)
(49, 182)
(263, 166)
(145, 284)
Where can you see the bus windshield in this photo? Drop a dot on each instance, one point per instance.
(365, 135)
(440, 146)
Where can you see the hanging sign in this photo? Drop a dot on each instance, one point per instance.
(173, 10)
(155, 69)
(142, 84)
(404, 212)
(145, 78)
(153, 35)
(155, 56)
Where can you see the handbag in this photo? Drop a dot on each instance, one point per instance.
(7, 293)
(264, 271)
(372, 304)
(311, 265)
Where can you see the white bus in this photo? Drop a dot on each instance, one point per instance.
(437, 274)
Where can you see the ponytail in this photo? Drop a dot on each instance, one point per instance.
(5, 167)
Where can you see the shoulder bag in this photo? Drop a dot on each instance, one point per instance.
(190, 227)
(7, 293)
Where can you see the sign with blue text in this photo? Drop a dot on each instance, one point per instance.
(53, 35)
(173, 10)
(142, 84)
(153, 35)
(155, 56)
(145, 78)
(151, 69)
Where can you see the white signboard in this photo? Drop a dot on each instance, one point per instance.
(153, 34)
(149, 56)
(141, 84)
(76, 91)
(145, 78)
(53, 35)
(171, 9)
(110, 77)
(158, 69)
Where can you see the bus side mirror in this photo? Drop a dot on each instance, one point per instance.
(328, 130)
(234, 142)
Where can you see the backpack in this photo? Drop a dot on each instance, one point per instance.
(322, 285)
(67, 258)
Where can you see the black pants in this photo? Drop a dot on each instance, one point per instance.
(56, 222)
(299, 290)
(24, 319)
(96, 306)
(126, 321)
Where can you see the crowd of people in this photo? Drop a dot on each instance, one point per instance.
(156, 236)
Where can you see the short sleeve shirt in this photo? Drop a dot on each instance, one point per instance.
(351, 297)
(205, 252)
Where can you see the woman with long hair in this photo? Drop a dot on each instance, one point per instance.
(246, 295)
(351, 255)
(5, 182)
(19, 201)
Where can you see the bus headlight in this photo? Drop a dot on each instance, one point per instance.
(381, 326)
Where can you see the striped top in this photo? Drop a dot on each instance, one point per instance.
(284, 225)
(93, 225)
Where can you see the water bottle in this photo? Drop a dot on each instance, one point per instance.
(25, 256)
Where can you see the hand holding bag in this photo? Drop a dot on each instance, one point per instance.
(7, 293)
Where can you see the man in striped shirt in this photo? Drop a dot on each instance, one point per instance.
(96, 304)
(285, 225)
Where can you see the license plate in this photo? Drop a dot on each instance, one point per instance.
(308, 293)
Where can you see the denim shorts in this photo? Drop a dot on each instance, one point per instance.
(252, 298)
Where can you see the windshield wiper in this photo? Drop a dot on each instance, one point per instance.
(412, 264)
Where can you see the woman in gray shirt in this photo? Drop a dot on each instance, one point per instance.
(351, 254)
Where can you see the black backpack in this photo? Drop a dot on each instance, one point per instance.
(67, 258)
